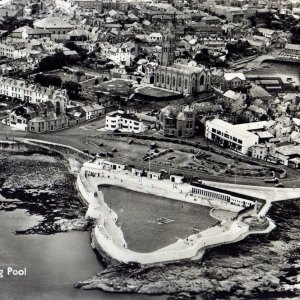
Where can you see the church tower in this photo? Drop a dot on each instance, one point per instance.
(168, 49)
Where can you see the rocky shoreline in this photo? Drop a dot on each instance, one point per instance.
(41, 184)
(262, 266)
(258, 267)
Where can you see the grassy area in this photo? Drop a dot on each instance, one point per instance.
(66, 76)
(120, 86)
(155, 92)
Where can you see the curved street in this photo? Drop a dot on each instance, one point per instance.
(79, 137)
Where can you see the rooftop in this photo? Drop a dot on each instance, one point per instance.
(52, 22)
(292, 47)
(230, 76)
(233, 129)
(254, 125)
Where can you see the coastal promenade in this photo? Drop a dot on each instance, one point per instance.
(108, 237)
(271, 194)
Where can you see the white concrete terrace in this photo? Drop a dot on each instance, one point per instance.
(271, 194)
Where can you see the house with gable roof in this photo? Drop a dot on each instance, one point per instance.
(235, 80)
(177, 121)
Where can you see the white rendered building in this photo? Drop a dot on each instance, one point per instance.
(235, 137)
(124, 122)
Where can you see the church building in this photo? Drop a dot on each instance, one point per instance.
(180, 78)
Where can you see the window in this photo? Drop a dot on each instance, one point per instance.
(157, 78)
(162, 78)
(202, 80)
(168, 79)
(240, 141)
(179, 82)
(174, 81)
(185, 84)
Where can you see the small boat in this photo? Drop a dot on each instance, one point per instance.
(163, 220)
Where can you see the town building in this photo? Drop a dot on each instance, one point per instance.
(183, 79)
(55, 25)
(292, 50)
(260, 151)
(38, 117)
(122, 53)
(92, 111)
(124, 122)
(235, 137)
(268, 33)
(235, 80)
(12, 51)
(288, 155)
(232, 14)
(33, 93)
(27, 32)
(177, 121)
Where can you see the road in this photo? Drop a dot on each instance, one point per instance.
(80, 137)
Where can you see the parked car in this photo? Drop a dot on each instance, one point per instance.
(271, 180)
(101, 154)
(279, 185)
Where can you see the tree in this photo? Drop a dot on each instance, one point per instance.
(186, 55)
(81, 51)
(295, 34)
(52, 62)
(72, 88)
(99, 95)
(253, 21)
(237, 48)
(202, 57)
(79, 74)
(47, 80)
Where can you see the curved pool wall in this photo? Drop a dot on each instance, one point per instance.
(108, 238)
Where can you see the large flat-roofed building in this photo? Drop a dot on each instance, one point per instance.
(124, 122)
(292, 49)
(235, 137)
